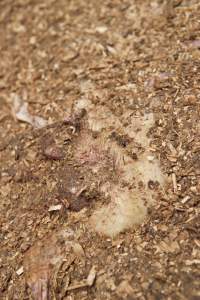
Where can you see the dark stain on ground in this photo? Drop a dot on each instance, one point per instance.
(72, 186)
(122, 140)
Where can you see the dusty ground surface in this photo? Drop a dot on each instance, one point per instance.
(90, 68)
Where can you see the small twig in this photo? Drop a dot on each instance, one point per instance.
(81, 190)
(85, 283)
(77, 286)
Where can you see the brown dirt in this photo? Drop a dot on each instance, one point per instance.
(128, 58)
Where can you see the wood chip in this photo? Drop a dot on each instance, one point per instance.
(174, 182)
(197, 242)
(192, 262)
(185, 199)
(55, 207)
(91, 276)
(20, 271)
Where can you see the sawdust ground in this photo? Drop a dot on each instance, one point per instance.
(122, 56)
